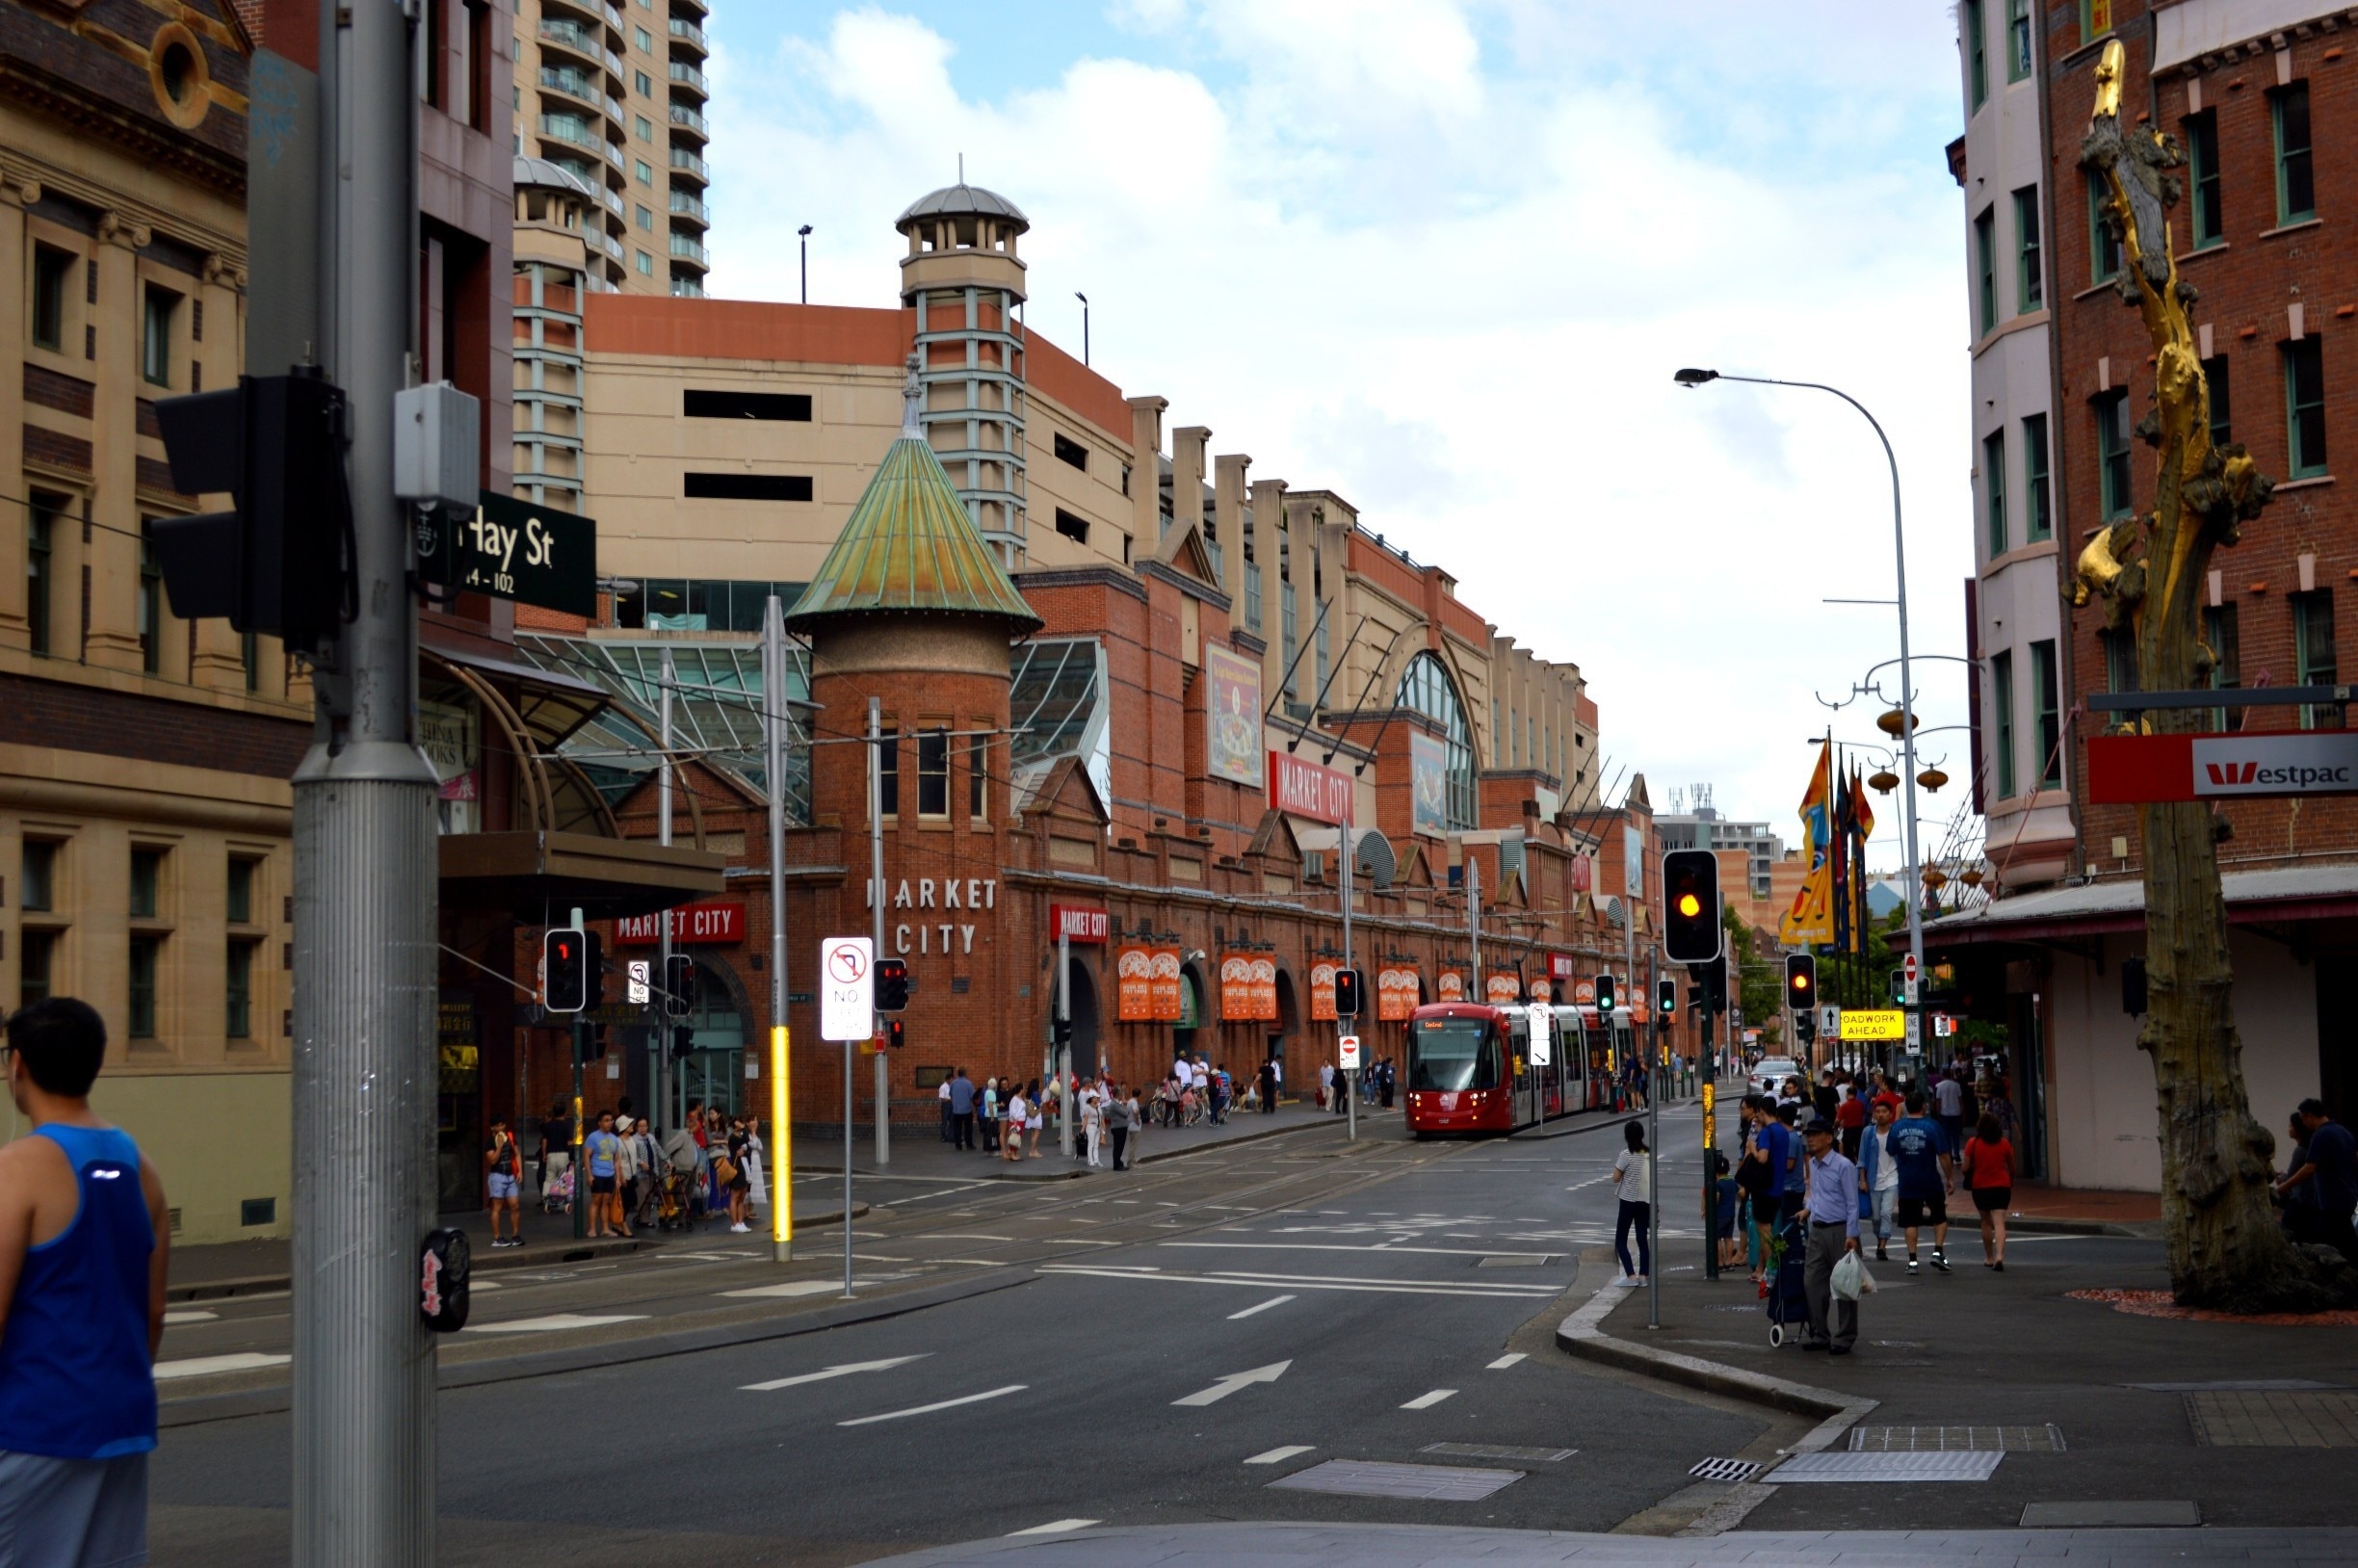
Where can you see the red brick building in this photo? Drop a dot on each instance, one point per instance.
(2262, 97)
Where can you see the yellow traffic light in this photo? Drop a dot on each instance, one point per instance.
(1689, 906)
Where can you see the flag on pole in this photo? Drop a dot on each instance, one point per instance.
(1811, 919)
(1862, 825)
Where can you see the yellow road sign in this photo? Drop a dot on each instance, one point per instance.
(1874, 1024)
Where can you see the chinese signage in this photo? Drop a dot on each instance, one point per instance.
(722, 921)
(1428, 784)
(1077, 923)
(2126, 770)
(1148, 990)
(1232, 717)
(1249, 986)
(1304, 789)
(1395, 995)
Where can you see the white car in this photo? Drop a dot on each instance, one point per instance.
(1771, 1072)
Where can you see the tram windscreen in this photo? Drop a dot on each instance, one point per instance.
(1454, 1053)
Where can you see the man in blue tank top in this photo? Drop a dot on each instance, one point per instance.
(82, 1259)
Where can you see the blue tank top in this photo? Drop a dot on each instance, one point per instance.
(77, 1381)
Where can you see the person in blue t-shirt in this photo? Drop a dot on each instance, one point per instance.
(600, 1151)
(1927, 1174)
(1785, 1160)
(83, 1254)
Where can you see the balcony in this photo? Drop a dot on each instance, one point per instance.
(687, 287)
(574, 36)
(687, 76)
(685, 205)
(606, 242)
(687, 32)
(688, 119)
(687, 247)
(575, 129)
(614, 14)
(575, 84)
(694, 10)
(688, 163)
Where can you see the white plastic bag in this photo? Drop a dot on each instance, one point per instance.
(1849, 1278)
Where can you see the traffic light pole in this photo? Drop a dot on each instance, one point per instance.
(774, 767)
(1061, 1054)
(876, 932)
(1343, 1025)
(580, 1034)
(673, 1115)
(365, 960)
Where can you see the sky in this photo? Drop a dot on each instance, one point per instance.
(1442, 257)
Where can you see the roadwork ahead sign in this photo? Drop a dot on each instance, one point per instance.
(847, 989)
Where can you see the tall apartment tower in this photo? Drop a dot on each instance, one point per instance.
(555, 217)
(612, 92)
(2013, 615)
(964, 279)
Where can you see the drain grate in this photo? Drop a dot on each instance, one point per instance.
(1725, 1469)
(2047, 1439)
(1369, 1479)
(1498, 1451)
(2279, 1419)
(1949, 1465)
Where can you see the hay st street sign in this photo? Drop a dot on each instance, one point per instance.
(512, 549)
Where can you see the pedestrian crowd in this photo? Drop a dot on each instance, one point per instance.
(629, 1176)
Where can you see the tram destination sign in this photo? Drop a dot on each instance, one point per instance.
(512, 549)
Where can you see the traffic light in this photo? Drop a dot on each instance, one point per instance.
(896, 1033)
(892, 984)
(278, 563)
(683, 1041)
(679, 985)
(1060, 1032)
(594, 971)
(1604, 996)
(1690, 906)
(1665, 998)
(1710, 985)
(1805, 1028)
(1801, 982)
(1346, 993)
(564, 970)
(1898, 988)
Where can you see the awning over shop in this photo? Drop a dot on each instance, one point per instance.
(536, 877)
(2254, 898)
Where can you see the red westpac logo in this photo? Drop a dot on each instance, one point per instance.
(2232, 773)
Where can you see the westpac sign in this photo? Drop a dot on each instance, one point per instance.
(2126, 770)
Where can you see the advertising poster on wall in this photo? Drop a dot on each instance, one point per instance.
(1396, 994)
(1450, 986)
(1322, 991)
(1232, 717)
(1235, 986)
(1502, 990)
(1134, 999)
(1428, 784)
(1265, 989)
(1168, 995)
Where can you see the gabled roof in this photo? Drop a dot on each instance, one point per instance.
(1183, 548)
(910, 546)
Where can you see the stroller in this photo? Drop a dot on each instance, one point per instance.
(676, 1200)
(1787, 1297)
(557, 1192)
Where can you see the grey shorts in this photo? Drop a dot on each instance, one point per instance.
(73, 1513)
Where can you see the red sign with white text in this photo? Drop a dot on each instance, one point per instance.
(2128, 770)
(696, 923)
(1077, 923)
(1304, 789)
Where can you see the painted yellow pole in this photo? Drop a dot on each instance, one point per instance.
(781, 1121)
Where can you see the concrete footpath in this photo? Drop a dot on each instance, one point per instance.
(2064, 1391)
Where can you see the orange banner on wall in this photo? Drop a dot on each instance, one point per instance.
(1450, 986)
(1322, 991)
(1395, 995)
(1133, 997)
(1504, 990)
(1165, 982)
(1265, 989)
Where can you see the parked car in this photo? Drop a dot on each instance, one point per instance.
(1770, 1071)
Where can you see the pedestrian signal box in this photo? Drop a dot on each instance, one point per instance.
(564, 970)
(679, 985)
(1346, 993)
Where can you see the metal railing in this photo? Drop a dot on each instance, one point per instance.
(573, 35)
(688, 75)
(689, 163)
(687, 32)
(568, 128)
(685, 205)
(687, 247)
(683, 115)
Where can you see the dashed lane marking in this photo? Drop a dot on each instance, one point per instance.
(1425, 1401)
(1279, 1456)
(938, 1404)
(1506, 1361)
(555, 1322)
(189, 1315)
(1054, 1526)
(1273, 1301)
(204, 1366)
(825, 1373)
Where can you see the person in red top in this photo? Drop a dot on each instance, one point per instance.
(1884, 1094)
(1851, 1116)
(1989, 1176)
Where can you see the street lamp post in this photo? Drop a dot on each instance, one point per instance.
(804, 234)
(1085, 326)
(1907, 687)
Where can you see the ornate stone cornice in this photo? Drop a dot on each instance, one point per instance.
(114, 228)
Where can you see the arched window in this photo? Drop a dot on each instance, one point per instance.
(1426, 687)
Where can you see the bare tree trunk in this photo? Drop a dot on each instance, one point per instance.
(2226, 1249)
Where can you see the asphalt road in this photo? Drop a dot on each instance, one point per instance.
(1188, 1334)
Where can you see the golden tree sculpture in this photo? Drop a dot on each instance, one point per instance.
(2226, 1249)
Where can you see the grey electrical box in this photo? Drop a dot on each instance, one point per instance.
(437, 436)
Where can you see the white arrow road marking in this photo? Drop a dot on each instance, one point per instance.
(1506, 1361)
(555, 1321)
(939, 1404)
(844, 1370)
(201, 1366)
(1279, 1456)
(1054, 1526)
(1273, 1301)
(1236, 1380)
(1425, 1401)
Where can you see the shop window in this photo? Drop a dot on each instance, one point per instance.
(933, 773)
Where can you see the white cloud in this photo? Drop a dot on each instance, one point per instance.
(1442, 258)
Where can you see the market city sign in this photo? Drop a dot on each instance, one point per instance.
(969, 895)
(716, 922)
(1304, 789)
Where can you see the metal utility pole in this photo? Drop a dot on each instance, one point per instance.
(578, 1031)
(663, 963)
(875, 931)
(774, 768)
(1344, 1025)
(1473, 884)
(1653, 1094)
(364, 878)
(1063, 1052)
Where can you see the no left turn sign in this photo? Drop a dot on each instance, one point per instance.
(846, 995)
